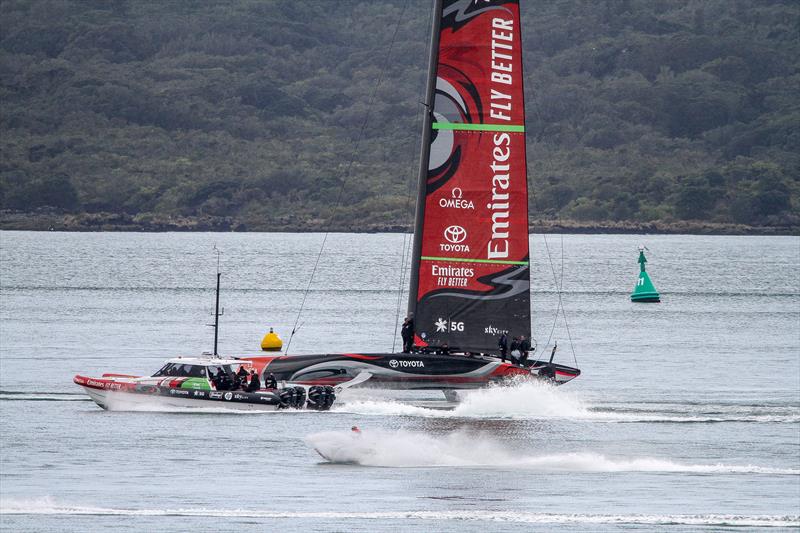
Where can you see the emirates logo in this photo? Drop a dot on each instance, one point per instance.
(455, 234)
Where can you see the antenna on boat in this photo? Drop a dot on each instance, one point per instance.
(217, 313)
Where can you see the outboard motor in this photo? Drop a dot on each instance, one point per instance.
(292, 397)
(301, 397)
(320, 398)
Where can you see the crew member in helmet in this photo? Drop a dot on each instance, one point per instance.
(270, 382)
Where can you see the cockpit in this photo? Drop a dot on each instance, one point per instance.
(187, 370)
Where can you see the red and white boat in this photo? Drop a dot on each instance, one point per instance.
(190, 383)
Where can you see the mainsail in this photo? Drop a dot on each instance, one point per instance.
(470, 279)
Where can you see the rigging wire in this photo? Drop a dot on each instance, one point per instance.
(400, 289)
(346, 174)
(405, 261)
(559, 284)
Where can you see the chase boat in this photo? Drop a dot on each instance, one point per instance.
(186, 382)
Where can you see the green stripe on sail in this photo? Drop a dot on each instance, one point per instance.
(465, 260)
(518, 128)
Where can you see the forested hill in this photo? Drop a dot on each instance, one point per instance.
(247, 113)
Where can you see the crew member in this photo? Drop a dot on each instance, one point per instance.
(236, 381)
(524, 348)
(222, 381)
(514, 349)
(255, 382)
(407, 333)
(270, 382)
(503, 344)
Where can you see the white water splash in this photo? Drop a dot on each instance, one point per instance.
(46, 506)
(521, 400)
(403, 449)
(529, 400)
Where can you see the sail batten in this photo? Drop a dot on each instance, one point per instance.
(470, 280)
(520, 128)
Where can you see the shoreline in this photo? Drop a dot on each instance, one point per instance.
(150, 223)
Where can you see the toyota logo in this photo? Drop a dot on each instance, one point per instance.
(393, 363)
(455, 234)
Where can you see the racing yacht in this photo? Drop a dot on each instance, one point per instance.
(470, 280)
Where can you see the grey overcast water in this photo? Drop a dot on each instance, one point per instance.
(686, 417)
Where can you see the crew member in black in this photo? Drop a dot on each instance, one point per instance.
(407, 333)
(242, 373)
(270, 382)
(221, 380)
(524, 348)
(514, 348)
(503, 344)
(255, 382)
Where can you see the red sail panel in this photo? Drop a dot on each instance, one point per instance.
(474, 280)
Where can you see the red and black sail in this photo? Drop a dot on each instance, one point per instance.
(470, 279)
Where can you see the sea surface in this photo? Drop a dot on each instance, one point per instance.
(686, 416)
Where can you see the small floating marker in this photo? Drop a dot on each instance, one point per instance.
(644, 290)
(271, 342)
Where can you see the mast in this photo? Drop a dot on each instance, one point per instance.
(424, 156)
(217, 313)
(216, 317)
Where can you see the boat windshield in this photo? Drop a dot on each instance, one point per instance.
(214, 370)
(181, 370)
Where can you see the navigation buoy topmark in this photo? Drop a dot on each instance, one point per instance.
(644, 290)
(271, 342)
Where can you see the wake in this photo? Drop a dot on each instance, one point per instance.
(46, 506)
(408, 449)
(531, 400)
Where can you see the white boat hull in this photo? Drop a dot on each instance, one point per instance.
(126, 401)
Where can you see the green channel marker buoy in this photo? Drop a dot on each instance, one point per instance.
(644, 290)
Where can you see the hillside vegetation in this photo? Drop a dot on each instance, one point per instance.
(251, 111)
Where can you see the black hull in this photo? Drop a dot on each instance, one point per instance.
(263, 398)
(318, 397)
(406, 371)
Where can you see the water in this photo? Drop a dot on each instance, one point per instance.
(686, 417)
